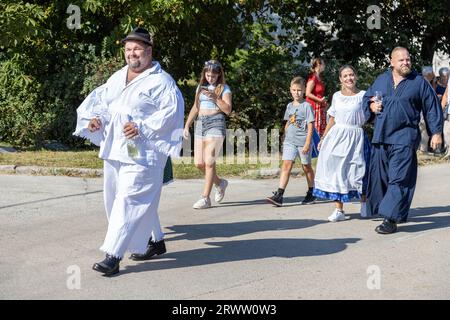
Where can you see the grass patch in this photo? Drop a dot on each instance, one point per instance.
(189, 171)
(428, 159)
(88, 159)
(56, 161)
(61, 159)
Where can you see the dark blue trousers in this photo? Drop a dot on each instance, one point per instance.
(392, 180)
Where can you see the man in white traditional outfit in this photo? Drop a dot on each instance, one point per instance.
(136, 118)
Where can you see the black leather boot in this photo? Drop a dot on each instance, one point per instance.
(403, 220)
(109, 266)
(388, 226)
(153, 248)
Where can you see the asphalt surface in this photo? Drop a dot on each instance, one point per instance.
(51, 228)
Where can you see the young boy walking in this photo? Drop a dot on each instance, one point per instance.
(297, 142)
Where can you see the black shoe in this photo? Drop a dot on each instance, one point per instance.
(309, 198)
(152, 249)
(109, 266)
(276, 199)
(403, 220)
(387, 227)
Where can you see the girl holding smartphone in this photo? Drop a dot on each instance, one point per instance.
(212, 103)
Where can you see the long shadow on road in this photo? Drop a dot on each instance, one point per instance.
(422, 219)
(233, 229)
(240, 250)
(49, 199)
(287, 202)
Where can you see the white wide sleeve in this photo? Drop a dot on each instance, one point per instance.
(164, 127)
(84, 115)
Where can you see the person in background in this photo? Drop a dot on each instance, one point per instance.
(446, 134)
(441, 86)
(315, 95)
(441, 83)
(428, 74)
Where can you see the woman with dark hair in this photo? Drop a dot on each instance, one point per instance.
(212, 103)
(341, 171)
(315, 94)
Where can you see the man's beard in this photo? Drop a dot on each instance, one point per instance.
(134, 64)
(405, 71)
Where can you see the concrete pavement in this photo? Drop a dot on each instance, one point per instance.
(51, 228)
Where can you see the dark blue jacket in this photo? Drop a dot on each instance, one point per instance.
(398, 123)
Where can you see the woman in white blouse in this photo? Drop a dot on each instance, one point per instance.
(344, 148)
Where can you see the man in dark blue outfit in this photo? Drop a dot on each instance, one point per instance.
(396, 137)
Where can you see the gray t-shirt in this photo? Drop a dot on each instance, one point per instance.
(298, 117)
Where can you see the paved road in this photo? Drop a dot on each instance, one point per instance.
(51, 228)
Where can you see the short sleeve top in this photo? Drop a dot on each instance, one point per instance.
(347, 109)
(298, 116)
(206, 103)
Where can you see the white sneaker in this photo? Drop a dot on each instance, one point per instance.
(220, 190)
(336, 216)
(203, 203)
(363, 211)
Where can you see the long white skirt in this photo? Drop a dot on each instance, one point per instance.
(131, 195)
(341, 166)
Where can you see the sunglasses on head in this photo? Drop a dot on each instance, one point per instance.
(211, 65)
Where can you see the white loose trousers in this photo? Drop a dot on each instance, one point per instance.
(131, 195)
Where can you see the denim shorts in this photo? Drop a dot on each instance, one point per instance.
(291, 152)
(210, 126)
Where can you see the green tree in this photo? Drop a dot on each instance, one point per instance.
(50, 66)
(46, 69)
(338, 29)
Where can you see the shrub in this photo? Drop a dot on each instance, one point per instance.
(260, 80)
(24, 118)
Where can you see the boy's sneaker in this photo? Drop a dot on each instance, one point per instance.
(276, 199)
(336, 216)
(203, 203)
(309, 198)
(220, 190)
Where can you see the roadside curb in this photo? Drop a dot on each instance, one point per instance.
(263, 173)
(45, 171)
(267, 173)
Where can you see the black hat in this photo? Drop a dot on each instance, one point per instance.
(139, 34)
